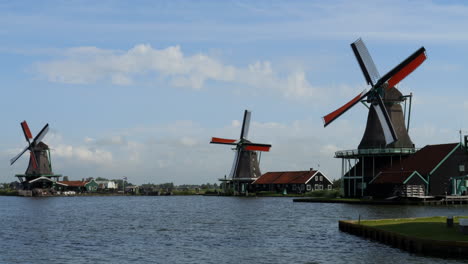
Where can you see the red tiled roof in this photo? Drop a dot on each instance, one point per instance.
(423, 161)
(285, 177)
(74, 183)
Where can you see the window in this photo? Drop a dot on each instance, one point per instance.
(316, 187)
(294, 187)
(321, 178)
(461, 168)
(309, 187)
(329, 187)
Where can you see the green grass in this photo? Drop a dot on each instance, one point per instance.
(428, 228)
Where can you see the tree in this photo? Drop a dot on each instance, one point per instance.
(101, 179)
(336, 183)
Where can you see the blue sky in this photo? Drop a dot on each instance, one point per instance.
(137, 88)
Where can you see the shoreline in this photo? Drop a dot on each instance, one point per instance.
(409, 243)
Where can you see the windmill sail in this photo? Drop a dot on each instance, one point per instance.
(338, 112)
(380, 85)
(385, 122)
(245, 125)
(245, 164)
(365, 62)
(31, 145)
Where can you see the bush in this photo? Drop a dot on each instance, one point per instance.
(8, 192)
(324, 193)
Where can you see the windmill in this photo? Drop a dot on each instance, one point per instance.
(386, 139)
(39, 171)
(245, 168)
(385, 124)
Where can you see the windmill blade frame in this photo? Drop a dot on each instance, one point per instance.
(225, 141)
(385, 121)
(405, 68)
(41, 134)
(257, 147)
(26, 131)
(33, 159)
(368, 68)
(232, 173)
(15, 158)
(245, 124)
(338, 112)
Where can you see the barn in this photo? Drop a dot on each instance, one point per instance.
(293, 181)
(429, 171)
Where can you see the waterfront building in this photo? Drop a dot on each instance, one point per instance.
(293, 181)
(433, 170)
(107, 185)
(78, 186)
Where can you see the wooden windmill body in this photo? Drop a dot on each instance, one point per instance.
(39, 175)
(246, 167)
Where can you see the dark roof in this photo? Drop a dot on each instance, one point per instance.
(74, 183)
(393, 177)
(286, 177)
(423, 161)
(41, 146)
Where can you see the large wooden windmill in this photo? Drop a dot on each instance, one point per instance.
(39, 173)
(386, 136)
(245, 168)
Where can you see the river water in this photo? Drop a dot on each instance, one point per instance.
(195, 229)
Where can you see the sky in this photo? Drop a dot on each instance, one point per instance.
(137, 89)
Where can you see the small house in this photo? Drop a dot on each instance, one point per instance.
(293, 181)
(107, 185)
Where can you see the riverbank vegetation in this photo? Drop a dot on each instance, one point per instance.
(427, 228)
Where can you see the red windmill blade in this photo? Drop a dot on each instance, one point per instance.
(245, 164)
(243, 137)
(378, 86)
(28, 135)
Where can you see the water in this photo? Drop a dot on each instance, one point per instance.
(194, 229)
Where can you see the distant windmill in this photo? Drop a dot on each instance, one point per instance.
(385, 123)
(245, 168)
(39, 169)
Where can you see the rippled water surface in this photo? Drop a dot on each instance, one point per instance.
(194, 229)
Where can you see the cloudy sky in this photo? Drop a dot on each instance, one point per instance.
(138, 88)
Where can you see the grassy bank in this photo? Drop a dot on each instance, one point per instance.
(427, 228)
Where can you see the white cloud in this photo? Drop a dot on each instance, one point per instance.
(86, 65)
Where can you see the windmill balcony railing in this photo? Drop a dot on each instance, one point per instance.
(374, 151)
